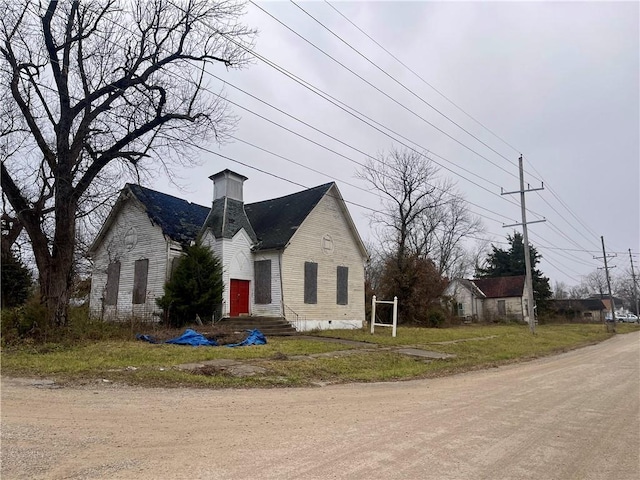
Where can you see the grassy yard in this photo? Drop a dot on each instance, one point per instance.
(291, 361)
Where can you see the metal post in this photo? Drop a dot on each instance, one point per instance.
(373, 312)
(395, 316)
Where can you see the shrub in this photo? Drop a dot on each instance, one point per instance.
(436, 317)
(25, 321)
(194, 289)
(16, 282)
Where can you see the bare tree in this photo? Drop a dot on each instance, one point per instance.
(578, 291)
(424, 223)
(561, 291)
(96, 91)
(625, 289)
(456, 224)
(421, 214)
(596, 283)
(410, 189)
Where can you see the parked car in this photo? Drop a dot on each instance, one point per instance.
(621, 317)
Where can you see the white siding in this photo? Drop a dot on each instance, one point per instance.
(274, 309)
(514, 308)
(131, 237)
(471, 304)
(237, 262)
(310, 244)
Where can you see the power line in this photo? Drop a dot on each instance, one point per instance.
(340, 141)
(423, 80)
(412, 92)
(459, 108)
(373, 86)
(369, 191)
(356, 162)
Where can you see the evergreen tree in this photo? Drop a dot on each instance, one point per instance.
(195, 288)
(511, 262)
(16, 280)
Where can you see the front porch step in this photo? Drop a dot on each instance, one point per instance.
(274, 326)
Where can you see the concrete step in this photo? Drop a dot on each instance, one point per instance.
(274, 326)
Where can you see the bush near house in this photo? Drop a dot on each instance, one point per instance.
(195, 288)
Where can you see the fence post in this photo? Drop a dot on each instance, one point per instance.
(373, 312)
(395, 316)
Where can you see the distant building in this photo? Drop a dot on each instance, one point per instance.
(484, 299)
(586, 309)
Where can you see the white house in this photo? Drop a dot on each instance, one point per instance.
(298, 256)
(485, 299)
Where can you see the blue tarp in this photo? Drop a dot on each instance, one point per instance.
(191, 337)
(255, 337)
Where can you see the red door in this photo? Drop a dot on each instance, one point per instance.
(239, 302)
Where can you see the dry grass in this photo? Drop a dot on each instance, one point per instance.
(292, 361)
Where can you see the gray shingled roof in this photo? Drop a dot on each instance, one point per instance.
(227, 217)
(272, 222)
(179, 219)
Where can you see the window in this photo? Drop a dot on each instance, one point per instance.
(310, 282)
(140, 275)
(262, 273)
(460, 309)
(342, 294)
(113, 284)
(502, 308)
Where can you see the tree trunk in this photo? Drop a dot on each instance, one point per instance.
(55, 267)
(55, 286)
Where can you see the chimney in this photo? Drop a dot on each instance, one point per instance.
(227, 184)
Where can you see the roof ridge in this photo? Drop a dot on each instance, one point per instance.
(318, 187)
(147, 189)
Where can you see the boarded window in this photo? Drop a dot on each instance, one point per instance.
(140, 274)
(113, 284)
(342, 294)
(310, 282)
(460, 309)
(262, 272)
(502, 308)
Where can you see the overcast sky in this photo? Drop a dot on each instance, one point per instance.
(557, 82)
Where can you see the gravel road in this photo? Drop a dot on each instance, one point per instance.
(571, 416)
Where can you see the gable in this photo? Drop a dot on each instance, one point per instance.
(501, 287)
(226, 218)
(275, 221)
(468, 285)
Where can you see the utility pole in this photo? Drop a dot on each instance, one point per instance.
(633, 278)
(531, 309)
(612, 307)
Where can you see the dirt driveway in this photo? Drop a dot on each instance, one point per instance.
(573, 416)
